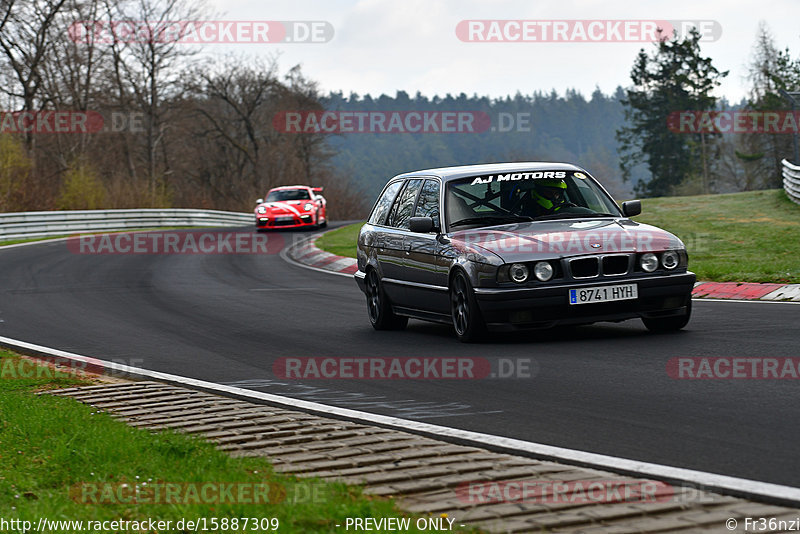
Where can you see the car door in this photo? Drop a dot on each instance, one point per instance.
(391, 250)
(423, 267)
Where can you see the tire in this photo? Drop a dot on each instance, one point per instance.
(669, 324)
(379, 309)
(467, 321)
(319, 224)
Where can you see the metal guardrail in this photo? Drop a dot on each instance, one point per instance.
(791, 180)
(31, 224)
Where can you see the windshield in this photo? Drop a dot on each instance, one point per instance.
(494, 199)
(288, 194)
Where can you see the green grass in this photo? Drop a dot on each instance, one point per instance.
(341, 241)
(57, 454)
(738, 237)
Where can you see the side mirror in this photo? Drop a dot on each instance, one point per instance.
(632, 208)
(260, 201)
(422, 225)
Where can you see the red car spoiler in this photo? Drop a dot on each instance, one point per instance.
(317, 189)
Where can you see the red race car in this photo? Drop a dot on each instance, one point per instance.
(292, 206)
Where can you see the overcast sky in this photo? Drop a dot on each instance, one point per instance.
(381, 46)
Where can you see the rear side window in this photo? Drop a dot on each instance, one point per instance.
(404, 205)
(384, 203)
(428, 203)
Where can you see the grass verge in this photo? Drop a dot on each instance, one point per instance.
(738, 237)
(66, 461)
(341, 241)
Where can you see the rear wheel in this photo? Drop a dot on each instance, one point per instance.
(378, 307)
(669, 324)
(467, 320)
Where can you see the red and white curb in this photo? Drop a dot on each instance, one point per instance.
(307, 254)
(747, 291)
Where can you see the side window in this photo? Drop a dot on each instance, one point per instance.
(404, 205)
(428, 203)
(384, 203)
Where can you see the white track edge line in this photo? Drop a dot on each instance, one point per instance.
(37, 242)
(708, 481)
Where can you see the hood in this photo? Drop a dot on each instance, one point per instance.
(537, 240)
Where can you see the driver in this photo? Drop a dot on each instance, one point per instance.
(547, 196)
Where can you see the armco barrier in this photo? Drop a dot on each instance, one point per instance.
(31, 224)
(791, 180)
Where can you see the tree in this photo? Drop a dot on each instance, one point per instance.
(675, 77)
(25, 41)
(148, 70)
(770, 71)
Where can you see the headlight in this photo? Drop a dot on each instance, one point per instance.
(261, 209)
(518, 272)
(649, 262)
(308, 207)
(543, 271)
(670, 259)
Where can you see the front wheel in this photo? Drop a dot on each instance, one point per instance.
(467, 320)
(378, 307)
(321, 223)
(669, 324)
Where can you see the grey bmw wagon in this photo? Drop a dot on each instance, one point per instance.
(516, 246)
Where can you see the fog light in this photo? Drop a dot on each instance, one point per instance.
(518, 272)
(649, 262)
(670, 259)
(543, 271)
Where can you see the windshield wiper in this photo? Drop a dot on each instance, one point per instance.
(492, 220)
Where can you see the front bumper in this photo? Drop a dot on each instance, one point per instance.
(285, 221)
(547, 306)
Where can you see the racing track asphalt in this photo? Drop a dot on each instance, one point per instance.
(602, 388)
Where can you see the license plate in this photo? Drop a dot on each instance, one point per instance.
(284, 219)
(588, 295)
